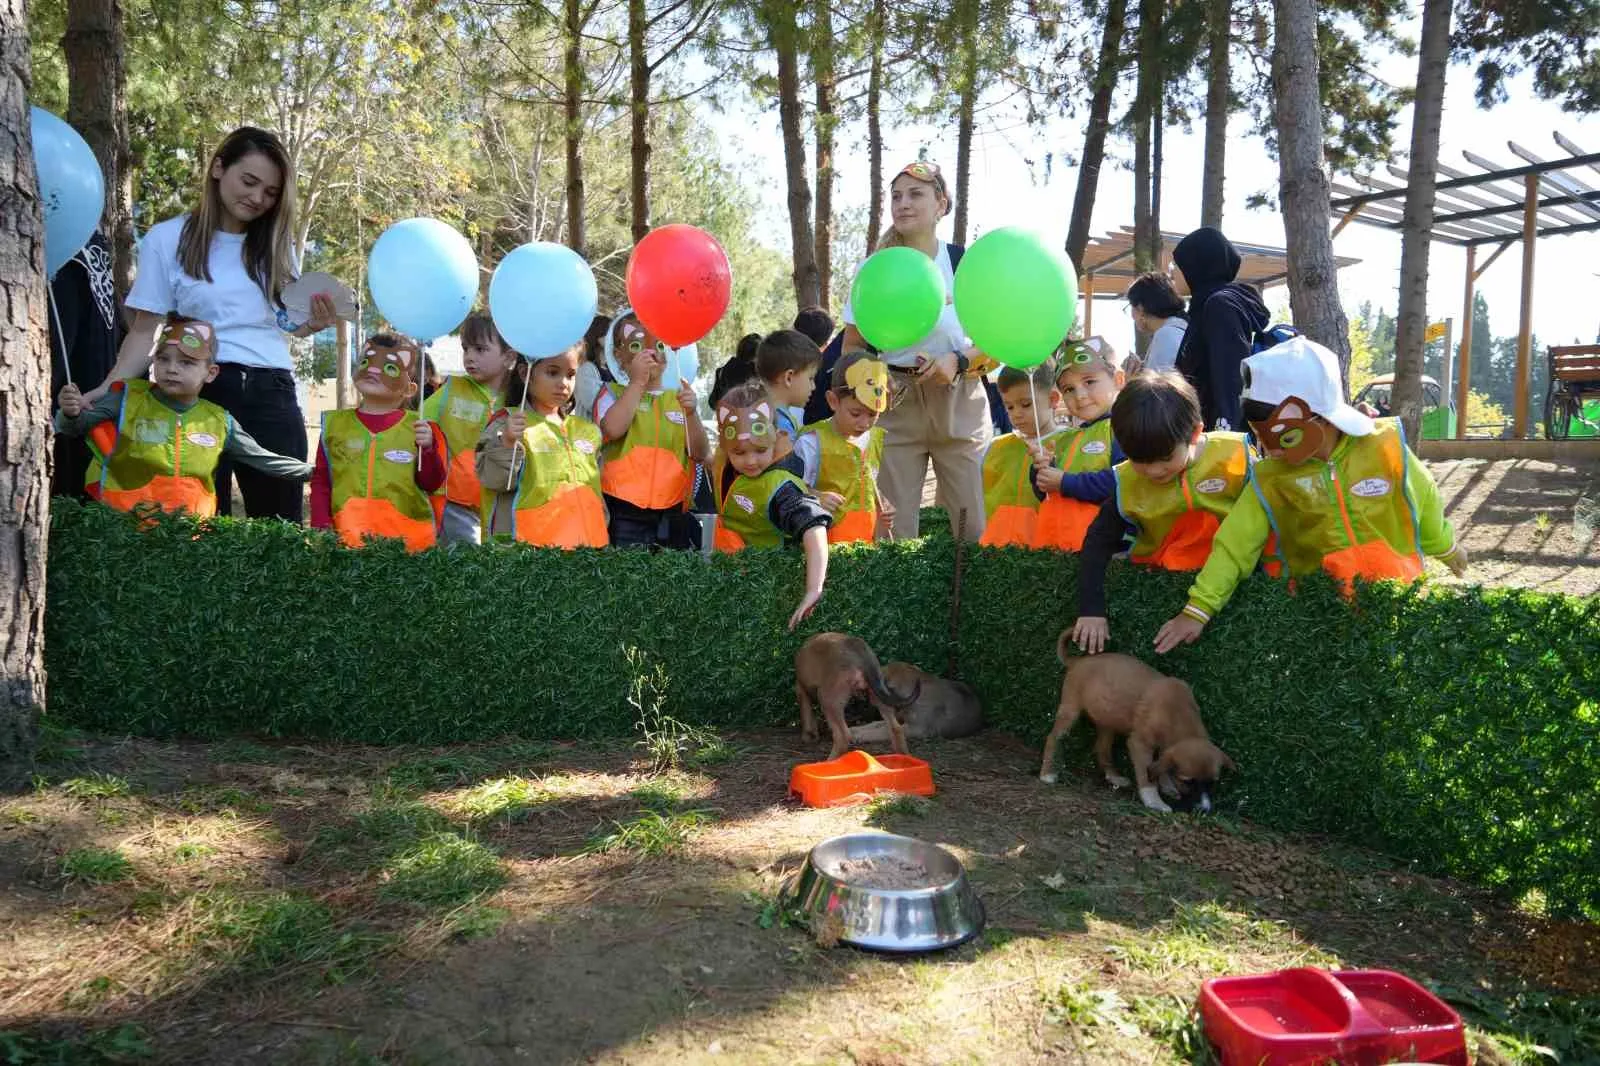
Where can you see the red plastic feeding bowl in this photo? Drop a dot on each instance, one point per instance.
(1310, 1016)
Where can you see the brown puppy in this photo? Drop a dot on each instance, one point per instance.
(830, 668)
(942, 709)
(1124, 697)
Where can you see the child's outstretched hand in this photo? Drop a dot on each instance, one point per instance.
(1180, 629)
(424, 434)
(71, 401)
(511, 432)
(686, 397)
(1048, 479)
(1457, 560)
(831, 501)
(807, 605)
(1091, 634)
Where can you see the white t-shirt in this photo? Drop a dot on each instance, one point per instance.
(947, 335)
(246, 323)
(1164, 343)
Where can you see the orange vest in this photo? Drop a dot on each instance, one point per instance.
(649, 466)
(1063, 521)
(153, 454)
(373, 481)
(1175, 523)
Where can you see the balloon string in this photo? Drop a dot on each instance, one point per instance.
(60, 335)
(511, 470)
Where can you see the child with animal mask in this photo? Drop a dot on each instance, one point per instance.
(156, 441)
(1174, 489)
(1010, 498)
(652, 438)
(1075, 473)
(761, 500)
(1342, 492)
(841, 455)
(461, 408)
(369, 480)
(538, 461)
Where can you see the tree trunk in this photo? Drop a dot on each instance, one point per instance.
(1417, 222)
(781, 25)
(1094, 138)
(97, 81)
(875, 42)
(24, 414)
(1303, 179)
(639, 113)
(968, 14)
(573, 62)
(1219, 18)
(1144, 113)
(823, 74)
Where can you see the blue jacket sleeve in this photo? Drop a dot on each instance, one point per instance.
(1097, 485)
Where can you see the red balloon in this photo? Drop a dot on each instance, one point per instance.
(679, 283)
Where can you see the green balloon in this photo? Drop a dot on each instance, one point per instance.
(1016, 296)
(897, 298)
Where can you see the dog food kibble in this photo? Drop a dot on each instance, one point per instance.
(882, 871)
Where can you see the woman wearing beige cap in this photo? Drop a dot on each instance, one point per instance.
(940, 411)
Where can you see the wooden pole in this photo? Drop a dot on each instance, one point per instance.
(1530, 234)
(1464, 362)
(1088, 306)
(341, 344)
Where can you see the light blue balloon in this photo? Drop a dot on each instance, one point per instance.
(543, 297)
(423, 276)
(72, 190)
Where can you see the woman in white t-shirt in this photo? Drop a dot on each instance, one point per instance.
(939, 411)
(1158, 310)
(226, 262)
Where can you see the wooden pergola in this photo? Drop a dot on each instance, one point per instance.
(1108, 267)
(1489, 205)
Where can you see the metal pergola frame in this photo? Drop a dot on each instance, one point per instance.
(1489, 205)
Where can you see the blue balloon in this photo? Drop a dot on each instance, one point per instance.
(543, 297)
(423, 276)
(72, 188)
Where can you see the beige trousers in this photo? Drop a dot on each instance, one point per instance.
(947, 424)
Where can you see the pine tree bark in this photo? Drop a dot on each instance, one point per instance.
(1219, 29)
(97, 84)
(1144, 111)
(1303, 179)
(781, 26)
(822, 69)
(966, 110)
(24, 414)
(577, 236)
(1417, 220)
(639, 119)
(1094, 138)
(875, 42)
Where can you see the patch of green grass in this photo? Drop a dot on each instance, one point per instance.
(442, 869)
(95, 786)
(225, 800)
(650, 833)
(190, 850)
(261, 932)
(1084, 1006)
(776, 910)
(96, 866)
(239, 750)
(432, 772)
(59, 743)
(122, 1044)
(94, 991)
(476, 921)
(1176, 1023)
(111, 817)
(14, 815)
(1207, 938)
(887, 806)
(1530, 1026)
(663, 796)
(505, 798)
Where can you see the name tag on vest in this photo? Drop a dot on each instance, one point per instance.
(675, 416)
(1094, 447)
(746, 502)
(399, 455)
(1370, 487)
(584, 446)
(1210, 485)
(201, 440)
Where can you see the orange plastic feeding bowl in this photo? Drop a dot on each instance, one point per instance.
(855, 775)
(1308, 1016)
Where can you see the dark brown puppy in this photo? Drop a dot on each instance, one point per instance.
(830, 668)
(1124, 697)
(942, 709)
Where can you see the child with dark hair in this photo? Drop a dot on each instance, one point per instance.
(1010, 498)
(1172, 492)
(737, 370)
(815, 323)
(788, 362)
(593, 374)
(1158, 310)
(461, 409)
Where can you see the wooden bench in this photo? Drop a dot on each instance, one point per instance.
(1574, 377)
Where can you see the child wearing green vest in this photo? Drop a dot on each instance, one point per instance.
(156, 442)
(841, 455)
(761, 500)
(540, 463)
(1010, 497)
(1174, 489)
(1077, 479)
(1342, 492)
(461, 409)
(379, 464)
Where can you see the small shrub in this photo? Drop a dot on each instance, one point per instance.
(96, 866)
(95, 786)
(650, 833)
(442, 870)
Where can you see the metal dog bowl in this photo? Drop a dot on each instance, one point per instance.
(941, 913)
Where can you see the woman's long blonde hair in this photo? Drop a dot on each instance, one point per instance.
(267, 240)
(890, 237)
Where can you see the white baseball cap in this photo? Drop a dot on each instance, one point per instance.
(1303, 368)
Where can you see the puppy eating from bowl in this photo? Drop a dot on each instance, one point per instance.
(1167, 742)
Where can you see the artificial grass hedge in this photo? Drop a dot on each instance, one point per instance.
(1458, 728)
